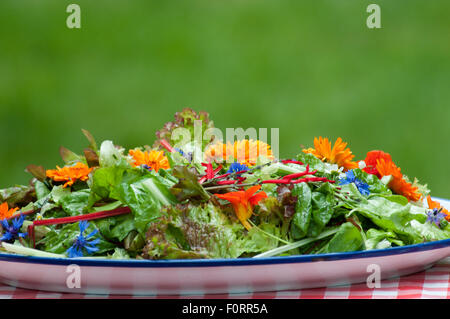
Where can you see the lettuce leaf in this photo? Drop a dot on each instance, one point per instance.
(204, 231)
(116, 228)
(18, 196)
(184, 119)
(378, 239)
(58, 240)
(75, 203)
(146, 197)
(407, 221)
(303, 210)
(348, 238)
(188, 186)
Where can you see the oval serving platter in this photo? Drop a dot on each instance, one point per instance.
(195, 276)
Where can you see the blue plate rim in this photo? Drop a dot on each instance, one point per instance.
(248, 261)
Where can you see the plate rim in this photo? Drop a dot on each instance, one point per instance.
(220, 262)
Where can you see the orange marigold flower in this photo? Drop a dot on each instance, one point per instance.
(217, 152)
(243, 202)
(433, 204)
(398, 184)
(70, 174)
(5, 212)
(153, 159)
(245, 152)
(339, 154)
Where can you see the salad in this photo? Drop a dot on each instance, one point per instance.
(181, 198)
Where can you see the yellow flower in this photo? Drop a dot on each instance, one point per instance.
(153, 159)
(245, 152)
(70, 174)
(339, 154)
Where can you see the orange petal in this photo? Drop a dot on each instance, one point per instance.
(232, 197)
(254, 200)
(249, 192)
(3, 208)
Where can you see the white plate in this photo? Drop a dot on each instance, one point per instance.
(168, 277)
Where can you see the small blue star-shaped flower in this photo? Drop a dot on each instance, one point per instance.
(350, 178)
(237, 167)
(12, 232)
(83, 243)
(435, 216)
(187, 156)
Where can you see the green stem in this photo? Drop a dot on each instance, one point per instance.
(348, 199)
(290, 246)
(17, 249)
(268, 234)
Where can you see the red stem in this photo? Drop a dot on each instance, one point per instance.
(73, 219)
(226, 182)
(297, 175)
(302, 180)
(167, 146)
(217, 170)
(291, 162)
(277, 181)
(209, 172)
(228, 174)
(222, 176)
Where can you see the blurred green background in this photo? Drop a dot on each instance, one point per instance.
(310, 68)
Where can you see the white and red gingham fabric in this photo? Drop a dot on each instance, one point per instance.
(433, 283)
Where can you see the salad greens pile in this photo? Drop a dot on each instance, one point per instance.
(159, 202)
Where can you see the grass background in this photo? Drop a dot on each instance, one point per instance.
(310, 68)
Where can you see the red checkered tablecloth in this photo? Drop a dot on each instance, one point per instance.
(432, 283)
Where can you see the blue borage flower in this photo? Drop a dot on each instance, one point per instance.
(179, 150)
(12, 232)
(187, 156)
(237, 167)
(82, 242)
(350, 178)
(435, 216)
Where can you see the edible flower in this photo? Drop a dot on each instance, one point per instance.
(371, 161)
(5, 212)
(435, 216)
(350, 178)
(243, 202)
(339, 154)
(245, 152)
(70, 174)
(237, 167)
(154, 160)
(398, 184)
(12, 232)
(187, 156)
(82, 242)
(436, 205)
